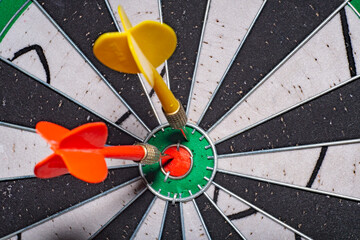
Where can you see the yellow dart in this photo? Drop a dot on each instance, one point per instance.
(140, 49)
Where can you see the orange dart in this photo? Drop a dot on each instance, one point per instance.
(82, 152)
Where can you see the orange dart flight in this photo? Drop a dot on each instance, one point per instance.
(81, 152)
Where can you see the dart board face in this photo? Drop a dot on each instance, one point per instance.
(272, 98)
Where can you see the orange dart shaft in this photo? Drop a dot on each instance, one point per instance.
(134, 152)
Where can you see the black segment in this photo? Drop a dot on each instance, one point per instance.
(217, 226)
(26, 102)
(186, 18)
(25, 202)
(172, 227)
(318, 216)
(124, 225)
(281, 26)
(332, 117)
(84, 21)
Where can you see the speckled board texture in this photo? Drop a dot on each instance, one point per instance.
(281, 27)
(332, 121)
(35, 102)
(123, 226)
(28, 201)
(186, 18)
(301, 210)
(218, 228)
(84, 22)
(172, 227)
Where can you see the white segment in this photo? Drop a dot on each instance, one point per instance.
(254, 226)
(223, 35)
(68, 71)
(151, 226)
(211, 190)
(112, 162)
(193, 226)
(320, 64)
(20, 151)
(257, 226)
(228, 204)
(293, 167)
(339, 171)
(84, 221)
(137, 10)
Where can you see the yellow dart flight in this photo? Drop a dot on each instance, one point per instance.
(140, 49)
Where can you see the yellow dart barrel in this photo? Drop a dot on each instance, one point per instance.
(168, 101)
(140, 49)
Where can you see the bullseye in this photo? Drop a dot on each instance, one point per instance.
(179, 162)
(186, 168)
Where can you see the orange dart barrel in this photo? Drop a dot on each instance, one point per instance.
(135, 152)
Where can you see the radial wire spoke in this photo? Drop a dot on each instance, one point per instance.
(166, 64)
(232, 61)
(163, 220)
(124, 166)
(117, 214)
(188, 34)
(198, 56)
(182, 220)
(291, 186)
(283, 149)
(172, 226)
(12, 18)
(224, 216)
(201, 219)
(317, 29)
(288, 109)
(262, 211)
(143, 218)
(304, 211)
(351, 6)
(16, 126)
(139, 76)
(69, 98)
(91, 64)
(16, 178)
(81, 203)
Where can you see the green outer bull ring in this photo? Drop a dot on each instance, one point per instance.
(200, 176)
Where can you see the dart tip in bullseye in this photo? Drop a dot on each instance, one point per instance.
(184, 133)
(166, 158)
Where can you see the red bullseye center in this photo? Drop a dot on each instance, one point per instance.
(180, 163)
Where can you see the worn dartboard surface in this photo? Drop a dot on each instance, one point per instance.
(271, 83)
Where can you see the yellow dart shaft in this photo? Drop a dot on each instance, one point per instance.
(124, 19)
(141, 49)
(166, 97)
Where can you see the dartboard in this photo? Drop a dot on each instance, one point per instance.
(272, 98)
